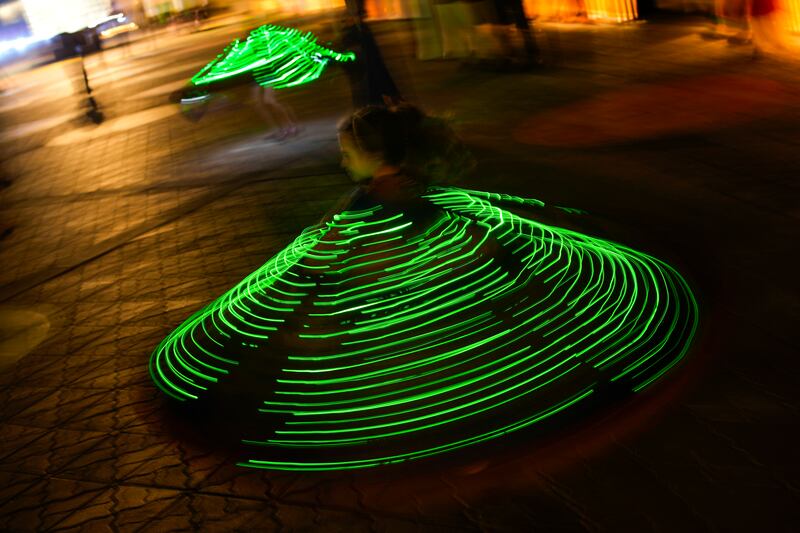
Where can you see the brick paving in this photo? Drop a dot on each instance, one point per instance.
(115, 237)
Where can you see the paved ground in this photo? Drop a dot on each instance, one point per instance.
(112, 235)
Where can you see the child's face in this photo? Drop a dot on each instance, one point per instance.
(359, 165)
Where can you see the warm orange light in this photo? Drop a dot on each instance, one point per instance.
(615, 10)
(298, 6)
(792, 14)
(609, 10)
(116, 30)
(390, 9)
(568, 10)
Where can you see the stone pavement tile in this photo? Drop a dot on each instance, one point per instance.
(119, 341)
(119, 372)
(56, 342)
(51, 371)
(91, 313)
(319, 518)
(716, 477)
(325, 507)
(308, 488)
(760, 460)
(51, 451)
(91, 340)
(591, 487)
(143, 313)
(15, 399)
(422, 499)
(299, 488)
(115, 411)
(14, 437)
(335, 491)
(132, 288)
(135, 407)
(519, 513)
(729, 507)
(231, 480)
(67, 228)
(219, 513)
(62, 406)
(14, 483)
(120, 508)
(146, 410)
(148, 460)
(62, 290)
(179, 305)
(767, 396)
(761, 366)
(45, 504)
(471, 498)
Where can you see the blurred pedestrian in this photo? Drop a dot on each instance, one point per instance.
(730, 22)
(427, 38)
(369, 78)
(512, 12)
(456, 22)
(270, 109)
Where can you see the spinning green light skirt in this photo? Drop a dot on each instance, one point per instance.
(273, 56)
(400, 331)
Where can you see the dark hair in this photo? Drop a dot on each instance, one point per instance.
(424, 147)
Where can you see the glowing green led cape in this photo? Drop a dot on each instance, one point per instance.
(391, 334)
(274, 56)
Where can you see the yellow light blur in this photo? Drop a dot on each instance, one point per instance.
(296, 6)
(116, 30)
(792, 15)
(568, 10)
(47, 18)
(614, 10)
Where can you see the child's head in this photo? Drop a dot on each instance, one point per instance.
(377, 140)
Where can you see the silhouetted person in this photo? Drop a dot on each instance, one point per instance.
(370, 80)
(513, 12)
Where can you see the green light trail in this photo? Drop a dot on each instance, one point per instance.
(395, 336)
(274, 56)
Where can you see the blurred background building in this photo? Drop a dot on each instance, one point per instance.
(25, 21)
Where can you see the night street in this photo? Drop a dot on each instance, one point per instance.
(112, 234)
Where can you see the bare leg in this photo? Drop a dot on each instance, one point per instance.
(272, 111)
(261, 108)
(283, 113)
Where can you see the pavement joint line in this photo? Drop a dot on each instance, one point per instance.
(26, 283)
(285, 501)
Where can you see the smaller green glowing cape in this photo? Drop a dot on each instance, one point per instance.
(274, 56)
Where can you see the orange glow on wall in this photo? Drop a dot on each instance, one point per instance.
(565, 10)
(296, 6)
(571, 10)
(792, 14)
(391, 9)
(614, 10)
